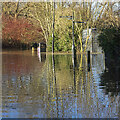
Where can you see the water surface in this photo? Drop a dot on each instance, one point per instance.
(45, 86)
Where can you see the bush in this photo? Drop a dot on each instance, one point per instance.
(110, 41)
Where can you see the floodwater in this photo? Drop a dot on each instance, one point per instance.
(38, 85)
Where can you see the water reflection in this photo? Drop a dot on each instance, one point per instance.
(47, 86)
(111, 79)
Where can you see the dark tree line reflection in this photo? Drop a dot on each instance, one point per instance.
(111, 78)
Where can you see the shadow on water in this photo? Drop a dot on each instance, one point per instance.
(111, 78)
(50, 86)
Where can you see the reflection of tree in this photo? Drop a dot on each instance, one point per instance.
(55, 85)
(111, 80)
(59, 88)
(74, 65)
(41, 56)
(88, 98)
(85, 101)
(21, 84)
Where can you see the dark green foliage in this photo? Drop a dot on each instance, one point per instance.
(61, 42)
(110, 41)
(35, 45)
(49, 46)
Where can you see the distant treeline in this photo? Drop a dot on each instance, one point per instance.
(31, 22)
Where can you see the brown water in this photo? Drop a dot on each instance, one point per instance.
(42, 86)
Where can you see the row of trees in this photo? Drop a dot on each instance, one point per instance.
(32, 22)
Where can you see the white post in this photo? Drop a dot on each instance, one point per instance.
(40, 47)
